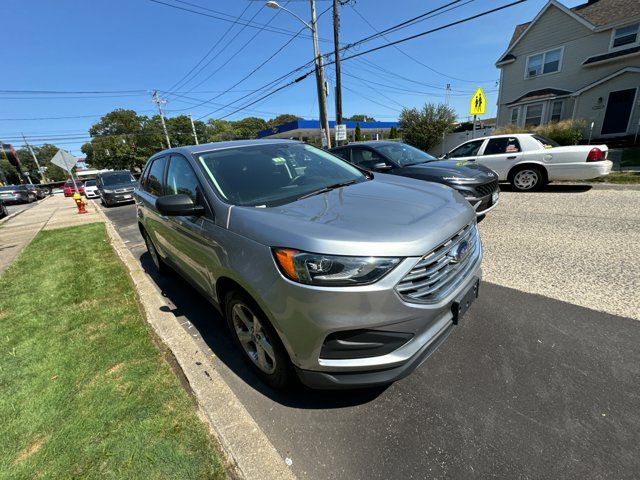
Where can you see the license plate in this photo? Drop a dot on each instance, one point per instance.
(494, 197)
(126, 196)
(463, 302)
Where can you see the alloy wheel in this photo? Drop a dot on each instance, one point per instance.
(254, 338)
(526, 179)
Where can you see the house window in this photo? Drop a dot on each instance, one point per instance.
(514, 115)
(625, 35)
(556, 111)
(533, 115)
(543, 63)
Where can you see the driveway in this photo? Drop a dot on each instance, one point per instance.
(527, 387)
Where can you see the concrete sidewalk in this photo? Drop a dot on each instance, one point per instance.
(52, 212)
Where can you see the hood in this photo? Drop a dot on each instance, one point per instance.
(386, 216)
(451, 168)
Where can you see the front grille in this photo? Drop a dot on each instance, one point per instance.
(437, 273)
(124, 190)
(487, 188)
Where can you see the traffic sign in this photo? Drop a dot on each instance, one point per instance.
(64, 160)
(478, 104)
(341, 132)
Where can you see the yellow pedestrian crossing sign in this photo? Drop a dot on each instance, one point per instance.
(478, 104)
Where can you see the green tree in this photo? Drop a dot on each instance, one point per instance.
(280, 119)
(358, 133)
(181, 132)
(44, 154)
(393, 133)
(360, 118)
(424, 128)
(8, 173)
(249, 127)
(219, 130)
(124, 139)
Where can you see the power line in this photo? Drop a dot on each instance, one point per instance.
(411, 57)
(405, 23)
(237, 52)
(213, 47)
(278, 30)
(433, 30)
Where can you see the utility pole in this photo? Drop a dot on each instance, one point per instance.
(193, 127)
(447, 95)
(336, 52)
(35, 159)
(158, 101)
(322, 89)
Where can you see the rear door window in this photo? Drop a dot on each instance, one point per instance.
(342, 153)
(502, 145)
(155, 179)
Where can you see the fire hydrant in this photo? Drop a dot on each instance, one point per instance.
(81, 205)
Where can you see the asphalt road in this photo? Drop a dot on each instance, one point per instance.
(19, 207)
(526, 387)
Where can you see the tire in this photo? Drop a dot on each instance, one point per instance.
(161, 266)
(261, 347)
(528, 179)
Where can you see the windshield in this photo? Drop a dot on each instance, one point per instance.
(271, 174)
(116, 178)
(404, 154)
(90, 183)
(546, 142)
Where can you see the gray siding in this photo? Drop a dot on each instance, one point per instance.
(552, 30)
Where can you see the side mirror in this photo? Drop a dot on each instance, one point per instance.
(178, 205)
(382, 167)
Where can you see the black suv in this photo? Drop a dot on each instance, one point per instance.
(116, 187)
(478, 184)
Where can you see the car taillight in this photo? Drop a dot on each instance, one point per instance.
(16, 193)
(595, 155)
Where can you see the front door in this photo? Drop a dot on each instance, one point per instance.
(619, 106)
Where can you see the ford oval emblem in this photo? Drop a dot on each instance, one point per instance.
(459, 252)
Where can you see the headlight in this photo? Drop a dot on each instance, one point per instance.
(459, 179)
(332, 270)
(108, 191)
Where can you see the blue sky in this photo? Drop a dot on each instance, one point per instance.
(134, 46)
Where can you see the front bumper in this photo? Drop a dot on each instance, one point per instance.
(305, 316)
(483, 205)
(114, 198)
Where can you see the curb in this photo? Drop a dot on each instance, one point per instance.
(246, 449)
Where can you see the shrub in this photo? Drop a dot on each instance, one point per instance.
(424, 128)
(565, 132)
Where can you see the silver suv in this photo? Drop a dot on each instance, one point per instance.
(339, 276)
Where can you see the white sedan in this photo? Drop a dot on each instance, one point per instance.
(528, 161)
(91, 189)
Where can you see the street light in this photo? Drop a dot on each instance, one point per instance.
(322, 96)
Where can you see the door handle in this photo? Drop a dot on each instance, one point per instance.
(512, 157)
(471, 160)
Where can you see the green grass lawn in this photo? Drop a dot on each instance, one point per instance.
(619, 177)
(630, 157)
(84, 391)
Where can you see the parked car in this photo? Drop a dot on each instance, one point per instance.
(70, 188)
(478, 184)
(91, 189)
(16, 194)
(529, 161)
(344, 277)
(35, 189)
(116, 187)
(3, 210)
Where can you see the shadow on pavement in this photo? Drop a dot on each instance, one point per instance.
(551, 188)
(189, 305)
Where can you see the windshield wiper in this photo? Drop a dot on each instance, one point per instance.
(327, 189)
